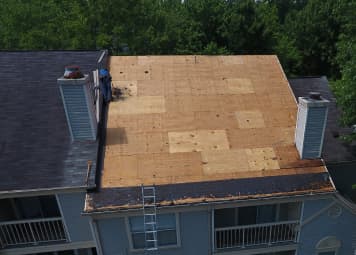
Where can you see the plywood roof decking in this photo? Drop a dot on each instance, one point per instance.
(184, 119)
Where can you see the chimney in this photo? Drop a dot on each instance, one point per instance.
(79, 106)
(311, 122)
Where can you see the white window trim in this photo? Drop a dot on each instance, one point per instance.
(334, 248)
(129, 235)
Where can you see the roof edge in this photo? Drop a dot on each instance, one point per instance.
(209, 203)
(43, 191)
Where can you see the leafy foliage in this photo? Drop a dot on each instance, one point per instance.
(310, 37)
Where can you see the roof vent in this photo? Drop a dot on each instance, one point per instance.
(78, 104)
(311, 122)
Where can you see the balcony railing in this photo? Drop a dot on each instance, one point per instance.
(31, 232)
(258, 234)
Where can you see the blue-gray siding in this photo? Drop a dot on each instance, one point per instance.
(194, 233)
(77, 110)
(313, 135)
(342, 227)
(78, 226)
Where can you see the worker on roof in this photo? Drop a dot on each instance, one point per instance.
(105, 84)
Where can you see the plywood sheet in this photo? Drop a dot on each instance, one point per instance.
(127, 88)
(262, 159)
(250, 119)
(239, 86)
(137, 105)
(224, 161)
(150, 88)
(198, 140)
(123, 142)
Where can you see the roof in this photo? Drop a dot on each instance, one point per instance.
(334, 149)
(339, 156)
(35, 143)
(344, 177)
(193, 124)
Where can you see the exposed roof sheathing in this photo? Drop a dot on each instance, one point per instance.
(191, 119)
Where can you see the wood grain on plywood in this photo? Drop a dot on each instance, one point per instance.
(250, 119)
(137, 105)
(198, 140)
(200, 118)
(224, 161)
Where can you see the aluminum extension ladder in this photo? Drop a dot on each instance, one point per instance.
(149, 217)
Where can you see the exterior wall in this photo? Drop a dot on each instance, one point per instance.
(78, 226)
(323, 225)
(194, 230)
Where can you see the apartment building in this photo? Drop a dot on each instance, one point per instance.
(194, 155)
(48, 152)
(213, 155)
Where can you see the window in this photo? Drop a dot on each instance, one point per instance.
(250, 215)
(29, 208)
(328, 246)
(327, 253)
(278, 253)
(166, 231)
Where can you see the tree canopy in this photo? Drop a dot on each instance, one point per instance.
(310, 37)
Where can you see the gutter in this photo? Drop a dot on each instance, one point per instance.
(31, 192)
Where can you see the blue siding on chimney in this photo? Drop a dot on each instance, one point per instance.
(313, 136)
(78, 112)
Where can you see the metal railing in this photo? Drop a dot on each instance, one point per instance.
(258, 234)
(31, 232)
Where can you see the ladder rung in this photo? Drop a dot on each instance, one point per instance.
(149, 205)
(149, 213)
(148, 187)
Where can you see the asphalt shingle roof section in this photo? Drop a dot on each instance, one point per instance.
(334, 149)
(194, 122)
(114, 199)
(35, 144)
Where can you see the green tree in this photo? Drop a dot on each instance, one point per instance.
(315, 30)
(345, 87)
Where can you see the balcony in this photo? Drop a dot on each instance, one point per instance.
(31, 232)
(30, 221)
(256, 234)
(249, 226)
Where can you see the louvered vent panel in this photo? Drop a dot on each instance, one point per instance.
(77, 112)
(314, 129)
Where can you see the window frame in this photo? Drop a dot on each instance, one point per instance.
(129, 233)
(334, 247)
(320, 251)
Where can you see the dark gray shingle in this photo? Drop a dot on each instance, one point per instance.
(334, 149)
(35, 145)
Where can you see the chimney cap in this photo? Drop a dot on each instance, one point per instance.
(315, 95)
(72, 72)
